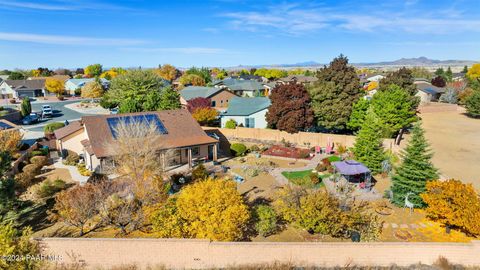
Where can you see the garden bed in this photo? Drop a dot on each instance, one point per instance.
(288, 152)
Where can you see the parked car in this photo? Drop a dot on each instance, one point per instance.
(47, 111)
(31, 119)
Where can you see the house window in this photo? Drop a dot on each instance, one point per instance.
(196, 151)
(214, 103)
(250, 122)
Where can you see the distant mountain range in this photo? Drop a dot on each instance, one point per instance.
(420, 61)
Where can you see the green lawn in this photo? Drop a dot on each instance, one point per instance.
(302, 178)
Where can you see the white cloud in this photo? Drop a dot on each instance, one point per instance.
(300, 20)
(60, 5)
(67, 40)
(182, 50)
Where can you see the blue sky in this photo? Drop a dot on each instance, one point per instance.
(75, 33)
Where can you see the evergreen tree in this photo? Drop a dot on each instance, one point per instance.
(290, 109)
(414, 172)
(169, 99)
(334, 94)
(465, 70)
(26, 107)
(368, 147)
(395, 108)
(473, 104)
(403, 78)
(359, 112)
(449, 74)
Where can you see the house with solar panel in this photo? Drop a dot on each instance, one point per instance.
(248, 112)
(219, 97)
(428, 92)
(178, 131)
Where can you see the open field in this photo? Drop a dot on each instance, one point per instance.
(455, 139)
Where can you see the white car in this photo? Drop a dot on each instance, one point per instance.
(47, 111)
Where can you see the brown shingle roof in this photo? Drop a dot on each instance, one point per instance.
(58, 77)
(299, 78)
(26, 84)
(68, 130)
(182, 130)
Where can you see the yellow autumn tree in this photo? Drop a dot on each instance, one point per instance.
(167, 72)
(92, 90)
(209, 209)
(10, 140)
(205, 115)
(474, 72)
(17, 244)
(192, 79)
(112, 73)
(453, 203)
(54, 85)
(372, 85)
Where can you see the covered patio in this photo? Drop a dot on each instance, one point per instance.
(354, 172)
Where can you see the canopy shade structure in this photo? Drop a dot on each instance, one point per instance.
(350, 167)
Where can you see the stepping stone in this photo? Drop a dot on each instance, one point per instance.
(414, 226)
(404, 226)
(394, 225)
(385, 225)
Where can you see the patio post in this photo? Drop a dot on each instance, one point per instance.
(215, 146)
(189, 157)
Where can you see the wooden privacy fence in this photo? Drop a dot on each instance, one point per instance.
(202, 254)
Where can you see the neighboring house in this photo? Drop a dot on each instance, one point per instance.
(375, 78)
(22, 88)
(7, 125)
(58, 77)
(458, 77)
(178, 131)
(298, 78)
(428, 92)
(243, 88)
(218, 96)
(248, 112)
(73, 84)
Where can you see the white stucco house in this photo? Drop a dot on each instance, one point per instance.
(247, 112)
(73, 84)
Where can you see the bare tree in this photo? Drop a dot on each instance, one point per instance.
(139, 157)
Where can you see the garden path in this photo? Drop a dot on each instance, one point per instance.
(76, 176)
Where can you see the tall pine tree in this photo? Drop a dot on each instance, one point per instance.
(414, 172)
(334, 94)
(368, 147)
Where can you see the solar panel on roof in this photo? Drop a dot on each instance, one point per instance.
(4, 126)
(145, 118)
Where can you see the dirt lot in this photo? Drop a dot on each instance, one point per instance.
(455, 139)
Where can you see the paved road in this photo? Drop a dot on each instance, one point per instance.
(60, 114)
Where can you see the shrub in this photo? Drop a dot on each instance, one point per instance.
(321, 167)
(50, 128)
(78, 92)
(39, 161)
(60, 97)
(314, 178)
(254, 148)
(48, 188)
(12, 101)
(199, 172)
(31, 169)
(304, 154)
(71, 159)
(231, 124)
(341, 149)
(238, 149)
(24, 146)
(37, 153)
(82, 169)
(266, 220)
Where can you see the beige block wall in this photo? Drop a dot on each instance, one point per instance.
(73, 141)
(202, 254)
(300, 138)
